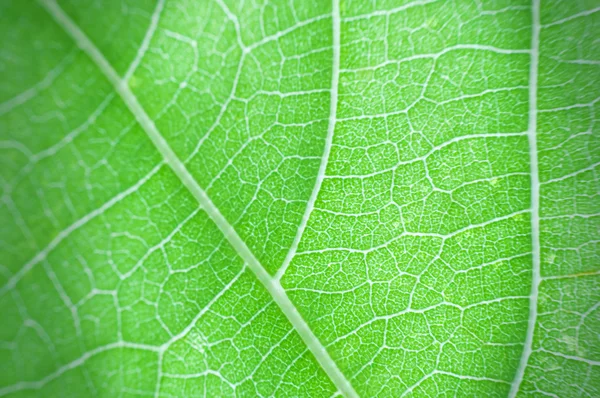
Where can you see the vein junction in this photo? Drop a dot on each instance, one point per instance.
(410, 228)
(272, 285)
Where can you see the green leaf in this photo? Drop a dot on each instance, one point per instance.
(299, 198)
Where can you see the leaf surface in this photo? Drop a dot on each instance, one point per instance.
(294, 198)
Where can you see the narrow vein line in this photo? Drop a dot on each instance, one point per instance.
(146, 41)
(379, 13)
(62, 235)
(572, 17)
(36, 385)
(273, 286)
(164, 347)
(590, 362)
(184, 332)
(34, 90)
(535, 198)
(310, 205)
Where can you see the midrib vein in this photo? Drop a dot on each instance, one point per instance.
(310, 205)
(535, 198)
(270, 283)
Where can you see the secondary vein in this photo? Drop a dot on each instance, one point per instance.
(271, 284)
(535, 198)
(146, 41)
(310, 205)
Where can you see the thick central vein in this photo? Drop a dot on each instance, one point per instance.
(535, 198)
(271, 284)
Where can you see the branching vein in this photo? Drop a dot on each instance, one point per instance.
(271, 284)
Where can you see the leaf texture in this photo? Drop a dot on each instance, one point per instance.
(299, 198)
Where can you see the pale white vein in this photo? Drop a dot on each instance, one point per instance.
(272, 285)
(535, 199)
